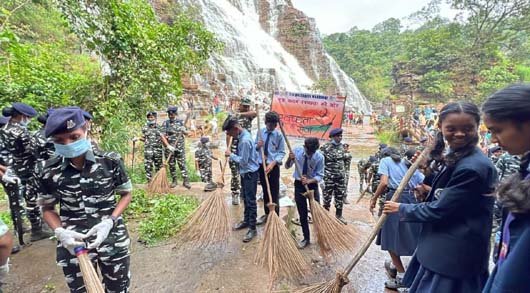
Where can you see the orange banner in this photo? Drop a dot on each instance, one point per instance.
(308, 115)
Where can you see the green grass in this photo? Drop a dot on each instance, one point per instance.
(388, 137)
(165, 217)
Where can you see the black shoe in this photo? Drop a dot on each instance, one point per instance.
(15, 249)
(250, 234)
(174, 184)
(262, 220)
(303, 244)
(390, 269)
(186, 184)
(40, 234)
(338, 215)
(346, 201)
(241, 225)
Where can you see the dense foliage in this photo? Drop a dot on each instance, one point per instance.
(113, 58)
(485, 47)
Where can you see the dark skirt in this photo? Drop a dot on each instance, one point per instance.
(399, 237)
(420, 279)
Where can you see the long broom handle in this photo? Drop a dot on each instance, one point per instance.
(382, 219)
(263, 163)
(296, 166)
(229, 145)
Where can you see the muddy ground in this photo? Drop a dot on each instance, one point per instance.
(229, 268)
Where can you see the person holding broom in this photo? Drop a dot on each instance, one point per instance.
(336, 158)
(244, 116)
(507, 117)
(247, 159)
(274, 150)
(453, 246)
(153, 151)
(84, 183)
(312, 162)
(398, 238)
(174, 132)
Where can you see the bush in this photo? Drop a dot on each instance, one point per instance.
(388, 137)
(166, 217)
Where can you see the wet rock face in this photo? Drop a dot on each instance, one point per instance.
(269, 44)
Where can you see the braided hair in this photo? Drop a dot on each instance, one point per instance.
(513, 104)
(450, 159)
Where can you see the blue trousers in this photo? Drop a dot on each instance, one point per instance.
(249, 184)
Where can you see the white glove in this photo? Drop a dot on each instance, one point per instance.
(70, 239)
(101, 230)
(10, 177)
(171, 148)
(4, 270)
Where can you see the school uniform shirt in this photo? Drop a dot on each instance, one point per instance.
(457, 218)
(246, 157)
(396, 172)
(276, 147)
(315, 164)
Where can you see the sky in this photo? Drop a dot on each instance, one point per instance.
(334, 16)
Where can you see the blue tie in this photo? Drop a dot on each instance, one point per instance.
(266, 146)
(304, 168)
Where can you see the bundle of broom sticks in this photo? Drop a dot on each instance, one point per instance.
(341, 279)
(333, 237)
(90, 276)
(278, 249)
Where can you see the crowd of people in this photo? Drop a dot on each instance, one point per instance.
(459, 199)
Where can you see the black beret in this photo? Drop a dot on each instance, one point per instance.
(151, 113)
(172, 109)
(64, 120)
(335, 131)
(205, 139)
(24, 109)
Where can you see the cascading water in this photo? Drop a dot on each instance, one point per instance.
(254, 59)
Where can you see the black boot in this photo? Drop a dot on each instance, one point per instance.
(338, 215)
(38, 233)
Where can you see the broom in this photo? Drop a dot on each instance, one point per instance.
(341, 279)
(221, 179)
(90, 277)
(159, 183)
(332, 236)
(209, 224)
(278, 251)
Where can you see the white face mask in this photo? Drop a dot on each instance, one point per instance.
(24, 122)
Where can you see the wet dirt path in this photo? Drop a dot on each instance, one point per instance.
(229, 268)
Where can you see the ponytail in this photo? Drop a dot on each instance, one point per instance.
(8, 111)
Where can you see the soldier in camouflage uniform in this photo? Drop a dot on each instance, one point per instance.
(347, 167)
(84, 183)
(152, 138)
(334, 172)
(245, 117)
(174, 132)
(203, 157)
(507, 165)
(17, 141)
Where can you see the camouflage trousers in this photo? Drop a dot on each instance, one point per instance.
(335, 186)
(235, 185)
(205, 168)
(178, 157)
(115, 271)
(152, 161)
(32, 211)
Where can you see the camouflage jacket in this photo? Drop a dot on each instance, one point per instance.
(507, 165)
(375, 176)
(17, 141)
(335, 159)
(85, 196)
(175, 132)
(152, 136)
(42, 147)
(5, 156)
(203, 155)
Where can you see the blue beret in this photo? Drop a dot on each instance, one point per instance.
(172, 109)
(64, 120)
(382, 146)
(335, 131)
(423, 139)
(25, 109)
(205, 139)
(4, 120)
(407, 139)
(87, 115)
